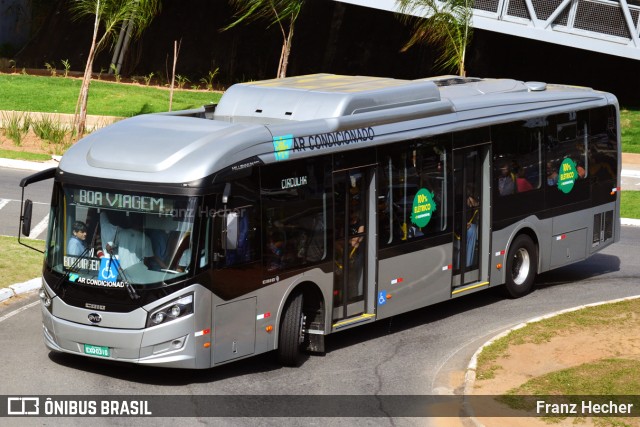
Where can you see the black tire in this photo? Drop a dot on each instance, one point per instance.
(291, 333)
(521, 267)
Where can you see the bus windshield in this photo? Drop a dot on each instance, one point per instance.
(111, 238)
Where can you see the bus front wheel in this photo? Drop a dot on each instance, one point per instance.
(291, 334)
(521, 267)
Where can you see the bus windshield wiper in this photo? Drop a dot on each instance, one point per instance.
(72, 269)
(130, 289)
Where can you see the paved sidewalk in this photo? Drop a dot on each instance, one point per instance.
(26, 165)
(630, 171)
(20, 288)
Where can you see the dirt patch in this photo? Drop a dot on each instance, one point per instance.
(30, 144)
(527, 361)
(631, 159)
(59, 122)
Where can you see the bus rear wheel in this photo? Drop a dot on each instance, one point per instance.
(291, 334)
(521, 267)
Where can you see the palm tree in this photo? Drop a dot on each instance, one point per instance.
(281, 12)
(445, 23)
(109, 15)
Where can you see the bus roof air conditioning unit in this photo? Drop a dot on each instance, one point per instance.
(320, 96)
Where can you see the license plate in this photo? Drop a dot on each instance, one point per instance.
(96, 350)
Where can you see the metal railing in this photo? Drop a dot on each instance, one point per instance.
(604, 26)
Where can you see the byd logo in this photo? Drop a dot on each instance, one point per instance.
(95, 318)
(23, 406)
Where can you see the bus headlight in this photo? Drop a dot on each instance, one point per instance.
(171, 311)
(45, 298)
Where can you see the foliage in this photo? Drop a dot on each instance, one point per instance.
(446, 24)
(181, 80)
(114, 68)
(283, 13)
(110, 15)
(51, 67)
(147, 79)
(67, 67)
(208, 81)
(49, 129)
(15, 126)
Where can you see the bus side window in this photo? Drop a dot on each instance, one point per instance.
(517, 153)
(240, 236)
(235, 225)
(295, 214)
(417, 167)
(602, 144)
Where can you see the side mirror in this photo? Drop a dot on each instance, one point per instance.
(25, 219)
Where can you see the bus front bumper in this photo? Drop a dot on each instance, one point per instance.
(143, 346)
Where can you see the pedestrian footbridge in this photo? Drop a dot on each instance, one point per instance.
(604, 26)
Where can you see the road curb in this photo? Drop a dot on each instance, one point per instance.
(630, 221)
(28, 165)
(630, 173)
(470, 374)
(20, 288)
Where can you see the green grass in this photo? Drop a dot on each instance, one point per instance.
(630, 128)
(608, 380)
(630, 204)
(614, 376)
(46, 94)
(13, 254)
(611, 379)
(23, 155)
(621, 313)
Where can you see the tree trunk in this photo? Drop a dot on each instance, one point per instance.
(286, 51)
(125, 46)
(116, 51)
(80, 120)
(173, 72)
(80, 117)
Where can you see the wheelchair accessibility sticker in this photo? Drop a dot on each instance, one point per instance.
(109, 269)
(382, 297)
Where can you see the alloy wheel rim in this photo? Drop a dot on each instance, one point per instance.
(521, 266)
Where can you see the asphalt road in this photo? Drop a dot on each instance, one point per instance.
(422, 352)
(10, 195)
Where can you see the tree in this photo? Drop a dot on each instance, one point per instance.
(109, 17)
(284, 13)
(446, 24)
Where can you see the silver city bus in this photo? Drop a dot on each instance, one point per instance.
(303, 206)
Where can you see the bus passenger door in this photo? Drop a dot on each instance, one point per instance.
(354, 266)
(471, 230)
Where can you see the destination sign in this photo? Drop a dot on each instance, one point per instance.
(132, 202)
(293, 182)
